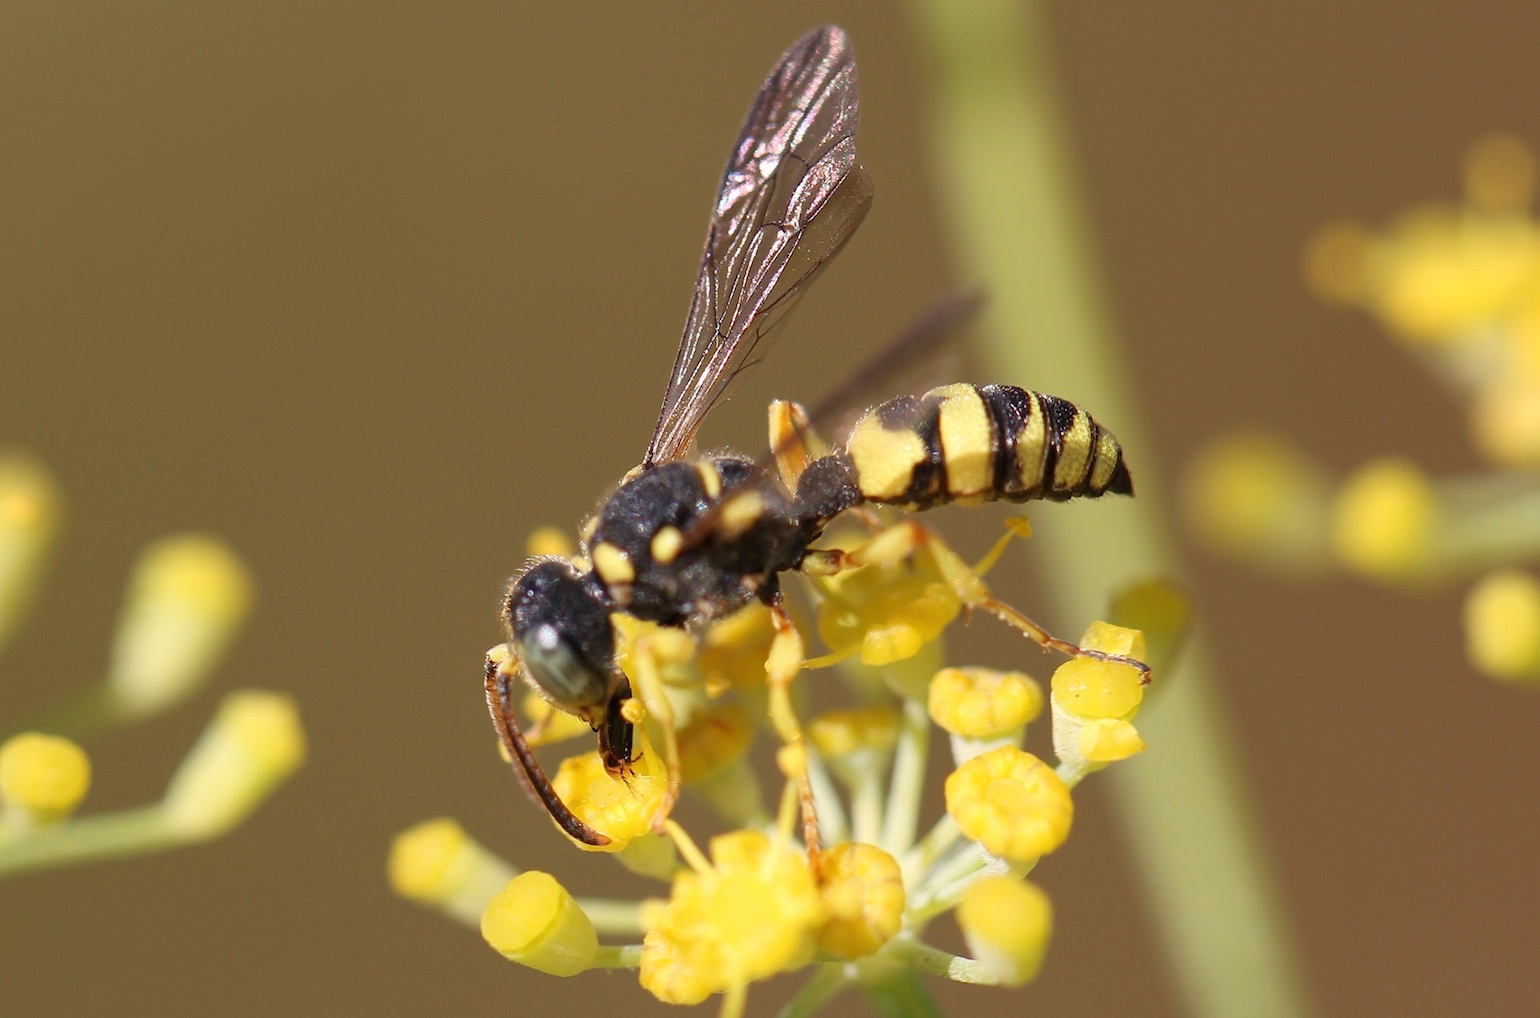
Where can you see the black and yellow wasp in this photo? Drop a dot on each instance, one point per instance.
(686, 540)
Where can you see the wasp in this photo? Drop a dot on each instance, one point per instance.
(688, 539)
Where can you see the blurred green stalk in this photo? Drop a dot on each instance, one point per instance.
(1021, 233)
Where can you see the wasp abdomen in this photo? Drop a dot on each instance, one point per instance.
(969, 444)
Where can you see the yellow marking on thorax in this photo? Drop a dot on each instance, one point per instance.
(884, 460)
(1032, 446)
(612, 565)
(1074, 453)
(665, 545)
(792, 442)
(739, 513)
(967, 441)
(1104, 462)
(710, 478)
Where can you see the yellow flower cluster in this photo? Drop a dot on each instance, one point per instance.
(1460, 284)
(851, 897)
(188, 596)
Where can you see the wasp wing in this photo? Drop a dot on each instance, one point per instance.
(908, 365)
(791, 196)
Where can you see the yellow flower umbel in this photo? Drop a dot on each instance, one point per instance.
(187, 598)
(761, 902)
(754, 910)
(1459, 285)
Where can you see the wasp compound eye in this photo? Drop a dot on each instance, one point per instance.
(561, 630)
(561, 671)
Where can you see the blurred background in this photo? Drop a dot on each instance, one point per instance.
(373, 290)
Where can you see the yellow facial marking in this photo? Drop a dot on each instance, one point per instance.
(1074, 453)
(710, 478)
(967, 441)
(612, 565)
(1104, 462)
(884, 460)
(740, 513)
(665, 545)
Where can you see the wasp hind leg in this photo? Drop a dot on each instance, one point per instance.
(902, 540)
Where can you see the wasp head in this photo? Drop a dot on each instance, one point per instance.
(558, 623)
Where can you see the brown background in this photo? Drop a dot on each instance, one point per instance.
(373, 289)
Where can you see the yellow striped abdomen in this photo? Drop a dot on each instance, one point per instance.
(969, 444)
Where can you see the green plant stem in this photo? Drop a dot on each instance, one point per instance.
(901, 993)
(89, 839)
(826, 982)
(1020, 232)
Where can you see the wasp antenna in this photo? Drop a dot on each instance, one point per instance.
(500, 704)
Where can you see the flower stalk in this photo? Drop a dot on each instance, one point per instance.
(1021, 234)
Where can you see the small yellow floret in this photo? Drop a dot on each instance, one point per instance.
(549, 725)
(1337, 262)
(1255, 495)
(733, 651)
(436, 863)
(1007, 924)
(250, 747)
(1010, 802)
(43, 777)
(983, 703)
(550, 541)
(1097, 689)
(754, 912)
(837, 734)
(1108, 740)
(1505, 421)
(29, 519)
(717, 737)
(863, 891)
(1386, 520)
(620, 809)
(535, 922)
(1502, 625)
(186, 600)
(887, 610)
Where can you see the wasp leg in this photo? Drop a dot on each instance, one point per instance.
(501, 674)
(902, 540)
(781, 667)
(652, 700)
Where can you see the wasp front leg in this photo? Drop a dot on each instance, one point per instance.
(650, 652)
(785, 660)
(900, 542)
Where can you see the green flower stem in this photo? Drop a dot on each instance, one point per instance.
(833, 825)
(626, 956)
(104, 836)
(1020, 232)
(903, 813)
(826, 982)
(90, 712)
(866, 803)
(901, 993)
(924, 958)
(1486, 520)
(611, 917)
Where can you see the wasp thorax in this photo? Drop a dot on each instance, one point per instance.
(560, 628)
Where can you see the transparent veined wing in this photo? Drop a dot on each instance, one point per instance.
(791, 196)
